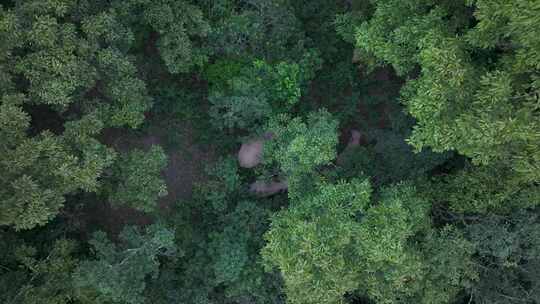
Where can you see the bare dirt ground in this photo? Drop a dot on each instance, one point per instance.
(187, 161)
(186, 167)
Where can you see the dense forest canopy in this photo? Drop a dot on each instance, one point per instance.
(269, 151)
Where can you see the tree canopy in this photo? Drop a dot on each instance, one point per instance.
(395, 151)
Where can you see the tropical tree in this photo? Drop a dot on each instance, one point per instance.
(473, 73)
(34, 275)
(119, 271)
(136, 180)
(337, 241)
(40, 171)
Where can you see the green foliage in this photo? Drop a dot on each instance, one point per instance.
(390, 159)
(336, 241)
(221, 230)
(259, 91)
(47, 277)
(99, 30)
(242, 112)
(395, 269)
(289, 81)
(39, 171)
(283, 80)
(449, 215)
(384, 235)
(129, 93)
(189, 280)
(137, 179)
(180, 25)
(263, 29)
(61, 66)
(507, 256)
(236, 261)
(313, 243)
(240, 101)
(54, 65)
(484, 190)
(318, 22)
(183, 112)
(119, 272)
(221, 71)
(502, 23)
(223, 183)
(455, 270)
(345, 23)
(475, 92)
(299, 147)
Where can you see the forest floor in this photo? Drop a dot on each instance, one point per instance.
(383, 87)
(187, 159)
(185, 168)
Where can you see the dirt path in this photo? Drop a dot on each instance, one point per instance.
(185, 169)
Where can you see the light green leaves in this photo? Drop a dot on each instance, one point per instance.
(137, 179)
(476, 88)
(313, 243)
(256, 92)
(39, 171)
(299, 147)
(339, 240)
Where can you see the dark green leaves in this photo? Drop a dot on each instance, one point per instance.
(119, 273)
